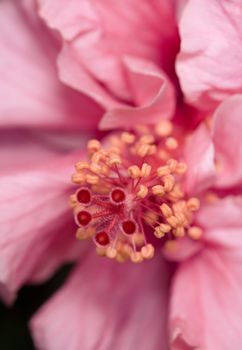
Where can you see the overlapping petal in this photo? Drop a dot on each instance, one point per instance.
(228, 143)
(152, 93)
(31, 94)
(107, 308)
(95, 35)
(199, 156)
(206, 302)
(36, 224)
(210, 59)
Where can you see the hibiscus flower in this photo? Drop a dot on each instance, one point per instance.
(190, 244)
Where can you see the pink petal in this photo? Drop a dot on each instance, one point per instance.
(206, 302)
(152, 92)
(31, 94)
(210, 58)
(199, 156)
(221, 213)
(37, 230)
(108, 306)
(26, 149)
(228, 143)
(101, 33)
(71, 72)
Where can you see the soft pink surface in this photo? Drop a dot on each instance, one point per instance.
(152, 93)
(105, 305)
(206, 301)
(95, 34)
(31, 94)
(210, 60)
(227, 128)
(36, 223)
(199, 157)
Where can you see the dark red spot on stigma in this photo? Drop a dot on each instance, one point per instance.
(118, 195)
(129, 227)
(102, 238)
(83, 217)
(84, 196)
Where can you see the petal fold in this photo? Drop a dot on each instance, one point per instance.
(206, 302)
(226, 130)
(107, 307)
(152, 93)
(210, 57)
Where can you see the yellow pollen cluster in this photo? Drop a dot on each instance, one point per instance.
(132, 187)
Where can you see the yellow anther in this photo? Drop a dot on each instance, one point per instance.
(136, 257)
(113, 151)
(92, 179)
(169, 182)
(147, 251)
(158, 190)
(143, 150)
(171, 143)
(164, 128)
(95, 168)
(163, 170)
(181, 168)
(193, 204)
(163, 155)
(81, 166)
(104, 170)
(120, 258)
(147, 139)
(127, 137)
(158, 232)
(181, 218)
(145, 170)
(179, 232)
(93, 146)
(78, 178)
(152, 150)
(101, 188)
(97, 156)
(101, 251)
(150, 217)
(83, 234)
(165, 228)
(179, 206)
(111, 252)
(138, 239)
(194, 232)
(73, 200)
(134, 171)
(161, 230)
(176, 193)
(166, 210)
(143, 191)
(127, 250)
(114, 159)
(172, 164)
(172, 221)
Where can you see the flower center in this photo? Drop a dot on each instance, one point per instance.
(130, 190)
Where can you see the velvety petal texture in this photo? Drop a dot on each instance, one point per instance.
(227, 127)
(36, 225)
(206, 301)
(152, 94)
(31, 94)
(97, 35)
(107, 308)
(199, 156)
(210, 58)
